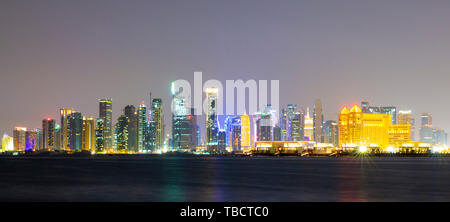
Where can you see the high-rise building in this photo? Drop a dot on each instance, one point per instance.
(121, 134)
(236, 134)
(105, 113)
(264, 126)
(291, 110)
(64, 141)
(158, 124)
(331, 134)
(76, 131)
(283, 125)
(426, 128)
(89, 137)
(318, 122)
(31, 140)
(212, 127)
(298, 124)
(245, 131)
(99, 136)
(142, 125)
(130, 112)
(405, 117)
(7, 143)
(440, 136)
(19, 135)
(277, 133)
(309, 126)
(380, 110)
(48, 134)
(221, 140)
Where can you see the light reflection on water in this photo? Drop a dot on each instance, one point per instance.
(180, 179)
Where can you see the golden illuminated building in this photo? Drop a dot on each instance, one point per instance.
(88, 134)
(65, 113)
(309, 126)
(405, 117)
(7, 143)
(370, 129)
(245, 131)
(19, 138)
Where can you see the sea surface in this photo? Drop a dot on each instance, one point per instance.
(203, 178)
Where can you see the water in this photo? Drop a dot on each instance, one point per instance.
(175, 178)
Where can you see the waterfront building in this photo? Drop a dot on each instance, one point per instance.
(121, 134)
(375, 130)
(89, 136)
(290, 115)
(157, 125)
(221, 140)
(48, 134)
(99, 136)
(298, 124)
(131, 114)
(318, 122)
(64, 131)
(19, 135)
(392, 110)
(277, 133)
(212, 127)
(245, 132)
(236, 134)
(331, 133)
(7, 143)
(105, 113)
(405, 117)
(309, 126)
(31, 140)
(75, 131)
(142, 125)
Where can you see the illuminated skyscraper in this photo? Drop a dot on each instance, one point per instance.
(89, 137)
(142, 125)
(298, 123)
(405, 117)
(309, 126)
(291, 110)
(7, 143)
(245, 131)
(277, 133)
(264, 126)
(19, 138)
(283, 125)
(31, 140)
(331, 134)
(158, 124)
(440, 136)
(48, 134)
(64, 141)
(130, 112)
(221, 139)
(76, 131)
(380, 110)
(212, 128)
(121, 134)
(318, 122)
(99, 136)
(236, 134)
(105, 113)
(426, 128)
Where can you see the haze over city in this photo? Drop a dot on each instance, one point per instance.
(71, 53)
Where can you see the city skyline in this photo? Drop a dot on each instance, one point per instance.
(393, 54)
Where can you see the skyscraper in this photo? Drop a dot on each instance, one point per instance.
(48, 134)
(142, 125)
(19, 135)
(331, 134)
(89, 137)
(426, 128)
(158, 124)
(212, 128)
(318, 121)
(245, 131)
(7, 143)
(105, 113)
(76, 131)
(309, 126)
(236, 134)
(121, 134)
(298, 124)
(31, 140)
(130, 112)
(99, 136)
(64, 141)
(405, 117)
(291, 110)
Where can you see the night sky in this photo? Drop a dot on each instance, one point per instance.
(65, 53)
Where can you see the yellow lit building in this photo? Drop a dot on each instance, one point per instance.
(19, 138)
(309, 126)
(88, 134)
(358, 129)
(7, 143)
(405, 117)
(245, 132)
(399, 134)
